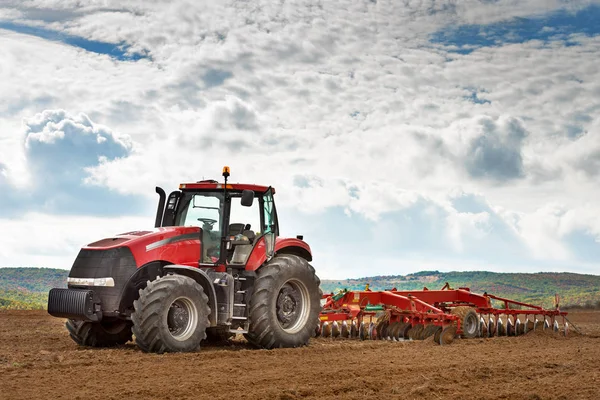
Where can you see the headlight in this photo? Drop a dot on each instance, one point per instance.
(107, 282)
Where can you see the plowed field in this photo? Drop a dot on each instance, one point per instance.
(39, 360)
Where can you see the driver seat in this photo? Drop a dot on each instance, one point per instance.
(236, 229)
(250, 235)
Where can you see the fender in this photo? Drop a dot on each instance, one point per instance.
(204, 280)
(139, 280)
(282, 246)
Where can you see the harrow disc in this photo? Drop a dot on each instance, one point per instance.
(401, 332)
(483, 331)
(510, 329)
(546, 324)
(429, 330)
(555, 326)
(318, 330)
(326, 330)
(491, 327)
(379, 328)
(405, 329)
(353, 330)
(415, 332)
(345, 332)
(519, 327)
(363, 331)
(385, 333)
(393, 330)
(335, 329)
(436, 335)
(372, 331)
(529, 326)
(566, 329)
(500, 329)
(447, 335)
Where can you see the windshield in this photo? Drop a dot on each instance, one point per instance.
(200, 209)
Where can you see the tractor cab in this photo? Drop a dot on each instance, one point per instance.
(232, 218)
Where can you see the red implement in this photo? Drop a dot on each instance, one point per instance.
(455, 311)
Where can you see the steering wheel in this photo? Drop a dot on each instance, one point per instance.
(208, 221)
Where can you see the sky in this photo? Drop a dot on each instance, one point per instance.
(400, 135)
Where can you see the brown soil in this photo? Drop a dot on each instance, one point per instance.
(39, 360)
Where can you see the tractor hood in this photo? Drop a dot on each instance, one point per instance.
(173, 244)
(147, 238)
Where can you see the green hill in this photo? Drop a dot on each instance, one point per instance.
(538, 288)
(27, 288)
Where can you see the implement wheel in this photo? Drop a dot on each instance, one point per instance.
(469, 321)
(99, 334)
(170, 315)
(285, 306)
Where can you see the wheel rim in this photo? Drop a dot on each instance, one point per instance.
(292, 306)
(470, 325)
(182, 318)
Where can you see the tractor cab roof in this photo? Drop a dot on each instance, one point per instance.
(214, 185)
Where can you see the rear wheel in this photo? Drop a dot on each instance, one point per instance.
(99, 334)
(170, 315)
(285, 306)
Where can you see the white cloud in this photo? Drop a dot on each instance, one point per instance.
(341, 105)
(36, 239)
(58, 151)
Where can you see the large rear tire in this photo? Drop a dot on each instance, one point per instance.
(285, 306)
(99, 334)
(171, 315)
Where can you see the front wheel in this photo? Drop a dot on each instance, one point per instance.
(284, 309)
(170, 315)
(99, 334)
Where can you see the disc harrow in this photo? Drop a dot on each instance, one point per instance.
(443, 314)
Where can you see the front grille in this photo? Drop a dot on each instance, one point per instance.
(74, 304)
(118, 264)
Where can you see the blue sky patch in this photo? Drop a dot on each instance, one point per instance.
(556, 26)
(118, 51)
(474, 98)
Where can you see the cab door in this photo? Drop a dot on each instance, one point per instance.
(270, 227)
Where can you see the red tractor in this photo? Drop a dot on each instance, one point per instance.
(214, 266)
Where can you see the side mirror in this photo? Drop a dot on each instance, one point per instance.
(247, 198)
